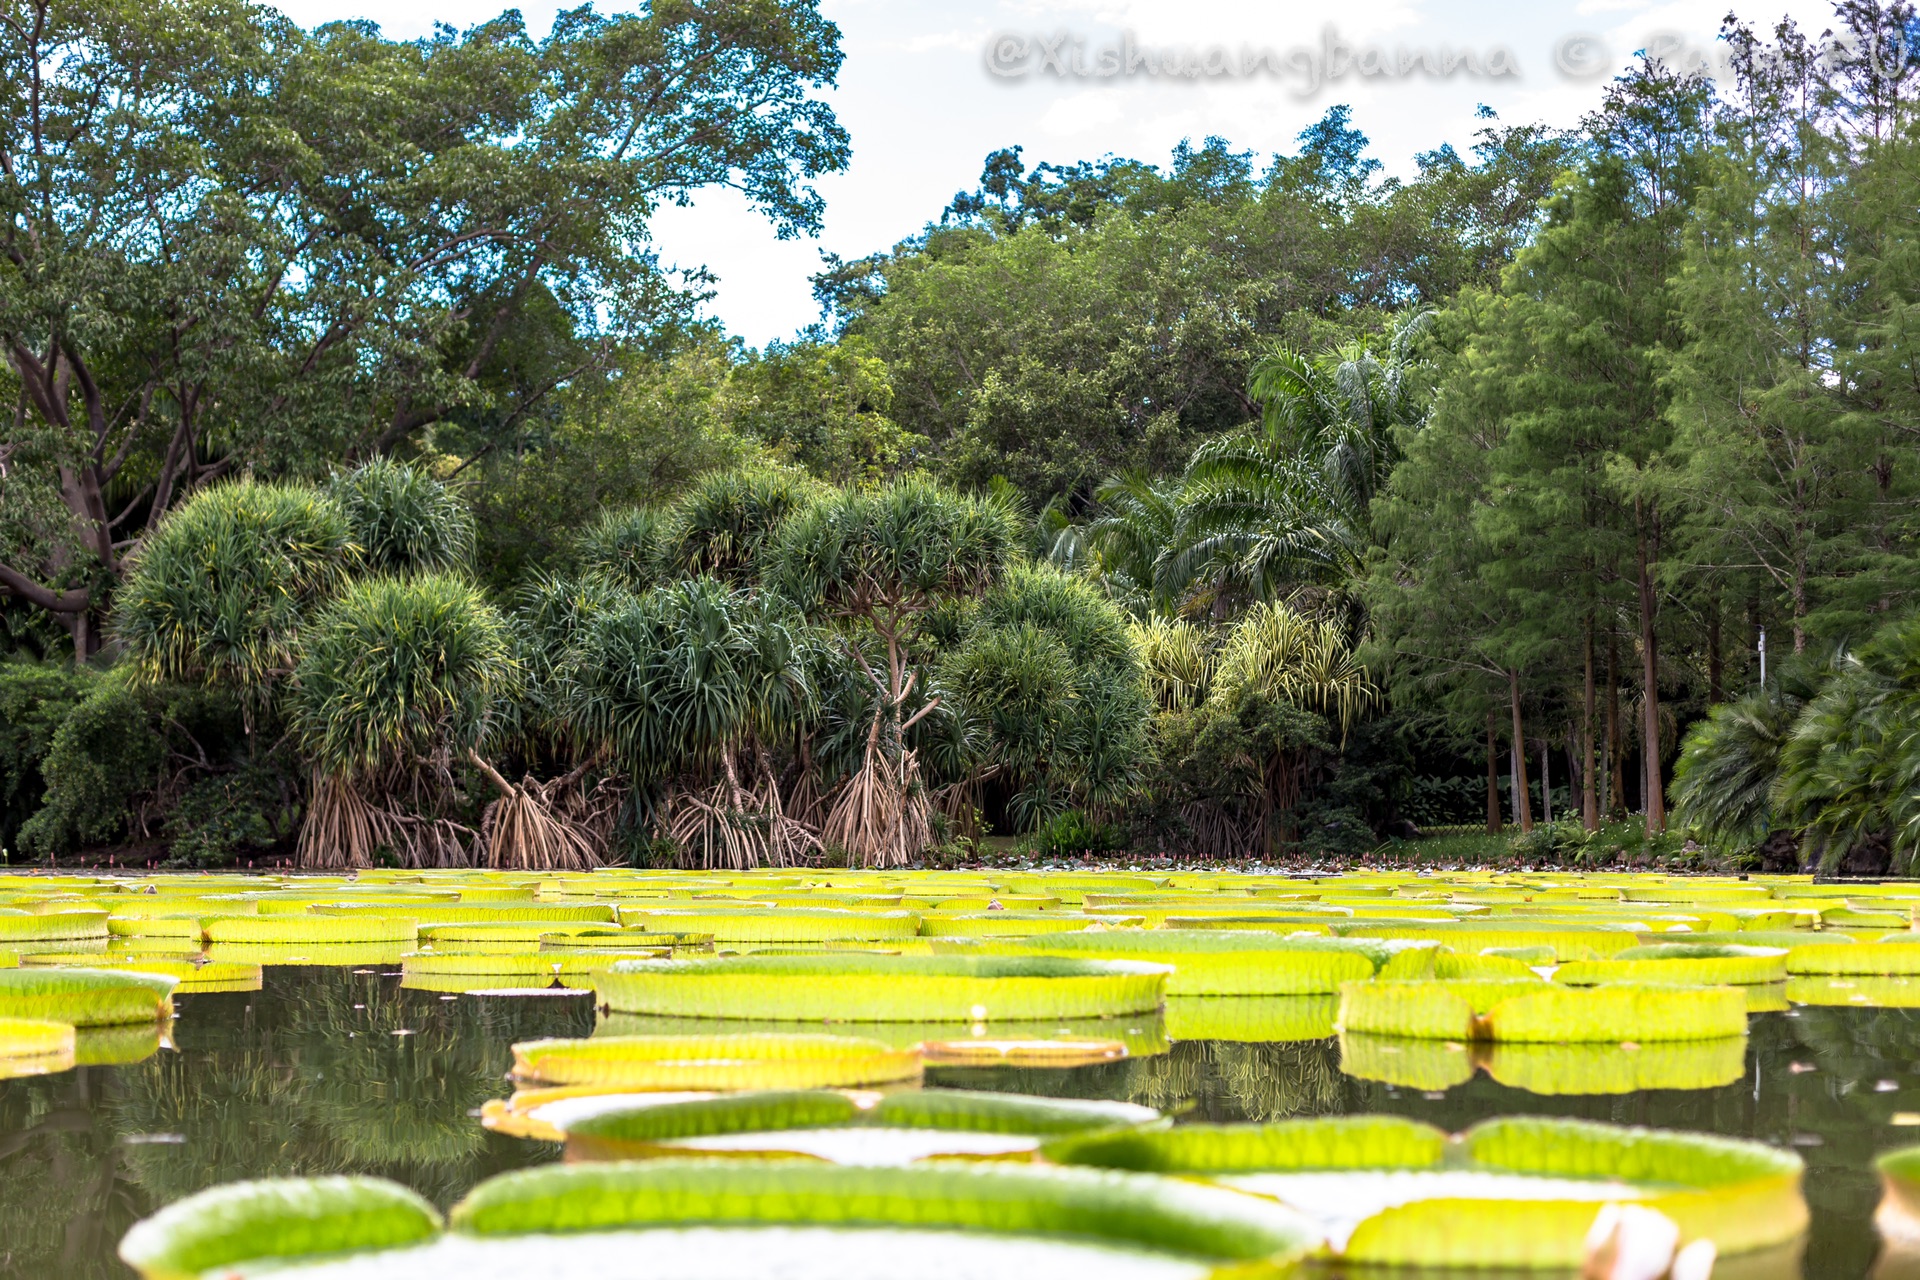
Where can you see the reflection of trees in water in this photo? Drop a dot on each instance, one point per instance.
(289, 1080)
(1224, 1080)
(1201, 1079)
(64, 1202)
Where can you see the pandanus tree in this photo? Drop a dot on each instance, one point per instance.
(686, 690)
(879, 561)
(1051, 685)
(220, 594)
(403, 519)
(402, 679)
(721, 526)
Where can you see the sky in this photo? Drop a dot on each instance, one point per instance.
(929, 87)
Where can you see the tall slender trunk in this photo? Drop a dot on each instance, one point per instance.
(1493, 780)
(1589, 788)
(1522, 807)
(1656, 800)
(1546, 781)
(1716, 668)
(1616, 748)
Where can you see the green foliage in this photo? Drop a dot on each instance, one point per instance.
(496, 247)
(35, 699)
(224, 816)
(1049, 687)
(673, 680)
(624, 547)
(1849, 775)
(1724, 778)
(220, 594)
(889, 553)
(398, 671)
(106, 753)
(722, 525)
(403, 519)
(1072, 834)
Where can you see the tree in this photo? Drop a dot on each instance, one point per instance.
(1050, 678)
(1764, 470)
(402, 680)
(882, 559)
(230, 243)
(220, 595)
(1288, 505)
(403, 519)
(686, 690)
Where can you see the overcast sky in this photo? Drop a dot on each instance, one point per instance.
(929, 87)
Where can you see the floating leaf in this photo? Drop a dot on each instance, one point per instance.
(715, 1062)
(282, 930)
(837, 1126)
(281, 1218)
(857, 988)
(85, 997)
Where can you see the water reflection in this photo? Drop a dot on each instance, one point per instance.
(331, 1070)
(322, 1071)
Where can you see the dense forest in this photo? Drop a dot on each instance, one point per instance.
(373, 495)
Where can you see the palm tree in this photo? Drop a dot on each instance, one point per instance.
(1724, 778)
(1850, 771)
(1287, 503)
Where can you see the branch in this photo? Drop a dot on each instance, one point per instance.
(71, 600)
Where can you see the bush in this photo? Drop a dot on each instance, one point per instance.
(1071, 834)
(222, 816)
(398, 671)
(106, 753)
(35, 698)
(218, 595)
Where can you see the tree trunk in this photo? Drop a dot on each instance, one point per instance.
(1656, 802)
(1522, 807)
(1546, 781)
(1589, 788)
(1493, 781)
(1716, 671)
(1616, 748)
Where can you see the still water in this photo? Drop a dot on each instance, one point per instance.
(333, 1071)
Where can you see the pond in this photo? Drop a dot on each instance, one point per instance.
(326, 1070)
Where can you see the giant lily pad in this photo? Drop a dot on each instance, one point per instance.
(699, 1218)
(86, 997)
(1707, 964)
(1511, 1193)
(1522, 1010)
(1216, 963)
(284, 930)
(846, 1128)
(715, 1062)
(858, 988)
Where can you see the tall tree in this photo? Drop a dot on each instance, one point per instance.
(226, 243)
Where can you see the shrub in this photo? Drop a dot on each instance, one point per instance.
(398, 671)
(35, 698)
(1073, 833)
(106, 753)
